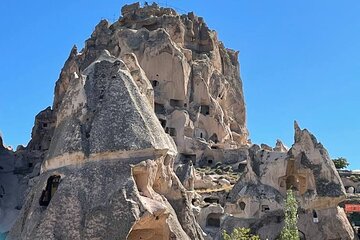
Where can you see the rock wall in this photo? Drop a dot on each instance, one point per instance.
(306, 169)
(148, 92)
(180, 66)
(109, 161)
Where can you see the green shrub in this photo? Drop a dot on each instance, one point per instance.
(340, 163)
(290, 230)
(240, 234)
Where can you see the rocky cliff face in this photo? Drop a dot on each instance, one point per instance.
(306, 169)
(153, 94)
(191, 79)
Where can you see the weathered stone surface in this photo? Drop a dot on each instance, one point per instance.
(280, 147)
(149, 93)
(308, 170)
(12, 188)
(102, 116)
(105, 200)
(105, 130)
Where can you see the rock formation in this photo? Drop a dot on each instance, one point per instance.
(150, 95)
(110, 162)
(308, 170)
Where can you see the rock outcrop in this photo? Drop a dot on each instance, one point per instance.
(102, 133)
(150, 95)
(12, 188)
(306, 169)
(111, 163)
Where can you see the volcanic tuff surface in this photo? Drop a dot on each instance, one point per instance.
(104, 142)
(152, 94)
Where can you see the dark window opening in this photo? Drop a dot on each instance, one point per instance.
(213, 220)
(186, 158)
(39, 147)
(214, 147)
(265, 208)
(241, 167)
(176, 103)
(159, 108)
(315, 217)
(45, 125)
(162, 122)
(205, 109)
(242, 205)
(50, 189)
(211, 200)
(200, 133)
(278, 219)
(314, 214)
(210, 161)
(171, 131)
(1, 168)
(154, 83)
(214, 138)
(30, 165)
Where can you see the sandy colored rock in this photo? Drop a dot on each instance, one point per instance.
(306, 169)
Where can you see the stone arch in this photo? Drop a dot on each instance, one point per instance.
(50, 189)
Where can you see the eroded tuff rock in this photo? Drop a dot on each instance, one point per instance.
(111, 165)
(150, 91)
(308, 170)
(177, 63)
(12, 187)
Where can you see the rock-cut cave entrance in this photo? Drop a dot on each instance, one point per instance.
(213, 220)
(50, 189)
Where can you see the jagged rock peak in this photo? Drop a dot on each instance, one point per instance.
(297, 131)
(280, 147)
(306, 169)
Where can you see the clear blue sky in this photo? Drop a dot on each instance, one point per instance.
(299, 60)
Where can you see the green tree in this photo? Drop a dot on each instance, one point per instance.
(290, 230)
(240, 234)
(340, 163)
